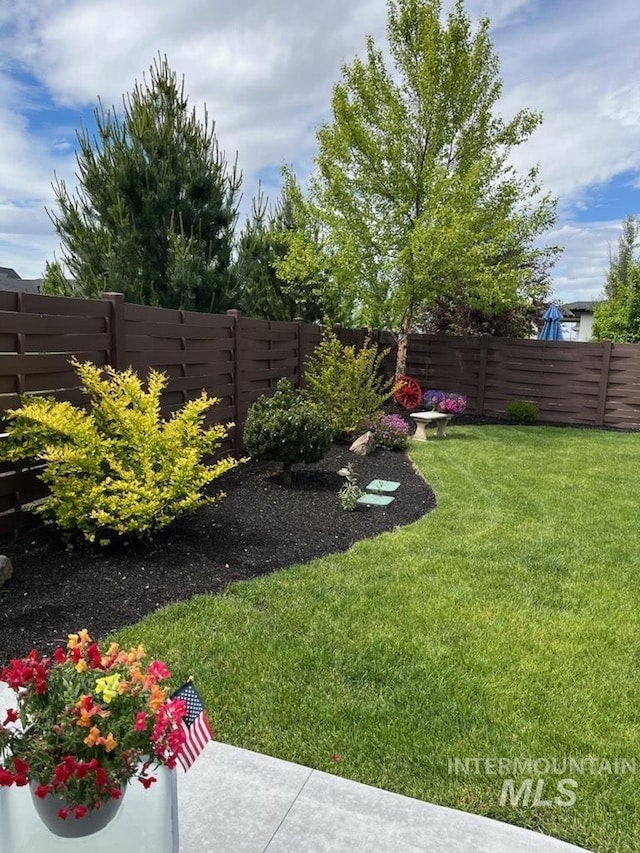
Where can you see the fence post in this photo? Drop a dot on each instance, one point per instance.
(235, 380)
(603, 390)
(118, 349)
(300, 342)
(482, 374)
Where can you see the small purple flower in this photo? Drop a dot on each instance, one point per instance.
(390, 431)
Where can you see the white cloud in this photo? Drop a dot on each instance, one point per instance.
(581, 272)
(266, 71)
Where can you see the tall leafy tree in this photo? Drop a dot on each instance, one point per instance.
(155, 207)
(618, 318)
(414, 183)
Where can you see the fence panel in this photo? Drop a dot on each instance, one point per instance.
(622, 406)
(38, 336)
(562, 379)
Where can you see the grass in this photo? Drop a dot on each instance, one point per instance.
(502, 625)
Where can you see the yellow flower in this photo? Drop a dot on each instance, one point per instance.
(110, 743)
(108, 686)
(81, 665)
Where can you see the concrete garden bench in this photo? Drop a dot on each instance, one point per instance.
(440, 419)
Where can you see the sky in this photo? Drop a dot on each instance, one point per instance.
(265, 72)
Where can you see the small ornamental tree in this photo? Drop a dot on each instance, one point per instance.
(118, 469)
(287, 428)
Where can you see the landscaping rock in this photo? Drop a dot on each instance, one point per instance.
(364, 444)
(6, 569)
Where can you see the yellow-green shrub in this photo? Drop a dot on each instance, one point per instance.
(346, 382)
(117, 469)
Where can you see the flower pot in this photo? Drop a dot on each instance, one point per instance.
(73, 827)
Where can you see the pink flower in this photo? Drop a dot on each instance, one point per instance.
(157, 669)
(141, 721)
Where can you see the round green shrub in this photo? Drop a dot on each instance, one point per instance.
(522, 411)
(287, 427)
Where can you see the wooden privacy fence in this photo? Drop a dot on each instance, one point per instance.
(232, 357)
(237, 359)
(591, 384)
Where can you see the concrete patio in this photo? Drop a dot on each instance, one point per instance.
(236, 801)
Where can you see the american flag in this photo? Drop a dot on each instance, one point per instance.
(195, 724)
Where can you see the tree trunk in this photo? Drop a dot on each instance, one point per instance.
(403, 342)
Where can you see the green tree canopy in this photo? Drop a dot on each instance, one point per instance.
(414, 184)
(155, 207)
(261, 293)
(618, 318)
(264, 287)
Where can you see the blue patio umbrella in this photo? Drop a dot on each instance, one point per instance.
(551, 328)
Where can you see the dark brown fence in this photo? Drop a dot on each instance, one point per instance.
(232, 357)
(593, 384)
(237, 359)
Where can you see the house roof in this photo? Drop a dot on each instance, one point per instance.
(10, 280)
(581, 307)
(8, 272)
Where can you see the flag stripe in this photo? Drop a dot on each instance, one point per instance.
(198, 735)
(195, 725)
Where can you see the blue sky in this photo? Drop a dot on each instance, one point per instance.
(265, 72)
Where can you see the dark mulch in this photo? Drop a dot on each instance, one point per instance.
(259, 527)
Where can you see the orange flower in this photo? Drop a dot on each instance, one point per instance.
(86, 709)
(110, 742)
(93, 736)
(82, 638)
(135, 674)
(111, 656)
(157, 697)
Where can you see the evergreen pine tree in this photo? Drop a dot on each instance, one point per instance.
(155, 207)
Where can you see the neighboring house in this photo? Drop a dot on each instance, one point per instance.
(580, 315)
(10, 280)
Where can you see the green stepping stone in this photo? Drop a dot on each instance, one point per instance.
(383, 486)
(376, 500)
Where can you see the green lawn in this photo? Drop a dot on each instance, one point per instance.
(502, 625)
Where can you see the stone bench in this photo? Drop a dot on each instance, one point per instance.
(440, 419)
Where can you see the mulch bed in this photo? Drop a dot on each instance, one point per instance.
(261, 526)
